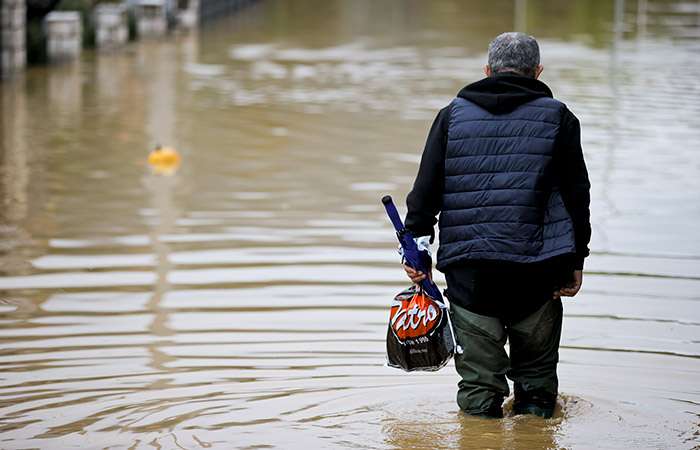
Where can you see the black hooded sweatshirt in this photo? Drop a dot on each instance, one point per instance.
(501, 94)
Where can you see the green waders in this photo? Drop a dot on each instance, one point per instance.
(484, 364)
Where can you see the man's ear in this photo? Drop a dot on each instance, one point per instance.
(487, 70)
(538, 70)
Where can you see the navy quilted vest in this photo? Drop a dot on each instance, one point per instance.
(500, 201)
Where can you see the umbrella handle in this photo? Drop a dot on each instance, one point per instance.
(393, 213)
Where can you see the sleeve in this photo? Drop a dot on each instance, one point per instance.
(574, 184)
(425, 199)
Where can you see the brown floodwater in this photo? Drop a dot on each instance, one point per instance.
(243, 301)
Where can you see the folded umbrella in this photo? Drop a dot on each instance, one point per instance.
(417, 259)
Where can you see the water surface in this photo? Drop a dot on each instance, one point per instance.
(242, 303)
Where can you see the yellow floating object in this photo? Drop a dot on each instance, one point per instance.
(164, 160)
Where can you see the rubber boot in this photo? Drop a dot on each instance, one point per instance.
(495, 411)
(537, 402)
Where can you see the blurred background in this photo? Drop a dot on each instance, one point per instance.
(239, 299)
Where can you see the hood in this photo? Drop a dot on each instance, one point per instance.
(501, 94)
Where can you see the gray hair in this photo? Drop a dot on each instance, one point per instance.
(514, 52)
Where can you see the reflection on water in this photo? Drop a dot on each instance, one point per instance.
(242, 301)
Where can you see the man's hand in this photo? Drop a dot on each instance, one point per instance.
(416, 276)
(572, 288)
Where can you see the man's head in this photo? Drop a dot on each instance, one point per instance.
(515, 53)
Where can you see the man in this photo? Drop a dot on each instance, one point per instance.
(503, 167)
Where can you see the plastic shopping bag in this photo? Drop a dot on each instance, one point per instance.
(419, 335)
